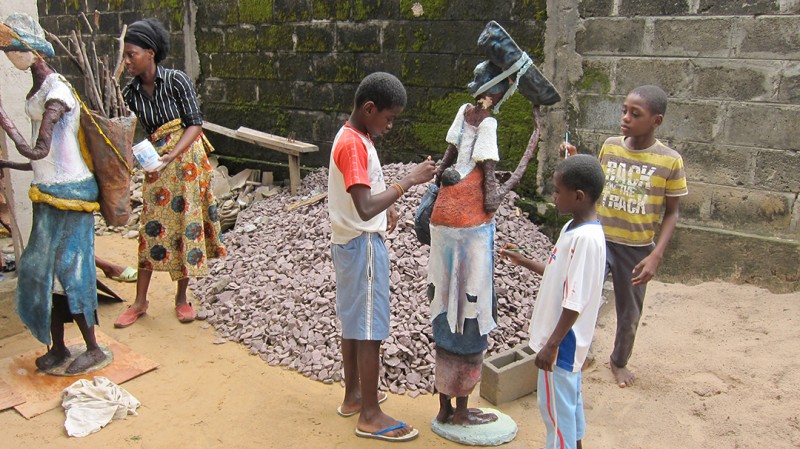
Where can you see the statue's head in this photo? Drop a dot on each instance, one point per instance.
(485, 72)
(20, 32)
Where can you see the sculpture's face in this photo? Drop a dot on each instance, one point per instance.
(22, 60)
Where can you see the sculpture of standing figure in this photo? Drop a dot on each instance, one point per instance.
(462, 228)
(461, 264)
(57, 280)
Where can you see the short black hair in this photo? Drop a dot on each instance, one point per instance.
(383, 89)
(654, 97)
(582, 172)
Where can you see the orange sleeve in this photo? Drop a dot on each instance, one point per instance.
(350, 157)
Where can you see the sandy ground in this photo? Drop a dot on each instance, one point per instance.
(718, 367)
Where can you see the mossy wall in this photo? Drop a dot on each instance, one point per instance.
(292, 66)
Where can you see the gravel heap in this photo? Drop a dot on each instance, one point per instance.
(275, 292)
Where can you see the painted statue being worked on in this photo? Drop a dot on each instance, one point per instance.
(462, 227)
(57, 281)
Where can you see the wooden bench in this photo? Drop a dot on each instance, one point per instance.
(293, 148)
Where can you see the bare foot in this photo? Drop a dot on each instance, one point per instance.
(445, 414)
(350, 408)
(53, 358)
(472, 417)
(624, 377)
(86, 360)
(382, 421)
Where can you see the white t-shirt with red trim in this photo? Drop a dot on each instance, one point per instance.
(573, 279)
(354, 160)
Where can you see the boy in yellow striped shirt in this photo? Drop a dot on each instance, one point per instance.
(644, 178)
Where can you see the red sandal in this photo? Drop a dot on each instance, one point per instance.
(129, 316)
(185, 312)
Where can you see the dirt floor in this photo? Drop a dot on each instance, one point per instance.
(718, 367)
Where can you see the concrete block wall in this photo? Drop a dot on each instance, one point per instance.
(60, 17)
(731, 72)
(293, 66)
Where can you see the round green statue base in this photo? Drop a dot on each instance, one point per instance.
(491, 434)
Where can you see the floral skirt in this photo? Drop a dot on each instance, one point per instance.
(179, 226)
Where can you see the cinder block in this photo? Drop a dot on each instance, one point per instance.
(761, 125)
(509, 375)
(739, 80)
(767, 38)
(672, 75)
(603, 36)
(691, 37)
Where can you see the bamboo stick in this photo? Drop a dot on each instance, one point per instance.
(119, 66)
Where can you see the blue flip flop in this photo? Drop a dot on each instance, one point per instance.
(381, 434)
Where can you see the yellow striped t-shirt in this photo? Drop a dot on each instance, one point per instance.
(637, 181)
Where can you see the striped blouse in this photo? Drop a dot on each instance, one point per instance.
(174, 97)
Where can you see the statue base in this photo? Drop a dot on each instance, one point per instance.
(75, 351)
(492, 434)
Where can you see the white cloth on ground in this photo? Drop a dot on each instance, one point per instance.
(91, 405)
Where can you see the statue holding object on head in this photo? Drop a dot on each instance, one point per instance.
(462, 227)
(57, 280)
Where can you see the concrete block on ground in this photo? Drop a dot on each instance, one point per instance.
(509, 375)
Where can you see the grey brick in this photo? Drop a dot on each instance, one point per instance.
(690, 121)
(241, 91)
(314, 37)
(672, 75)
(789, 88)
(610, 36)
(758, 211)
(735, 80)
(777, 170)
(596, 8)
(597, 76)
(768, 37)
(717, 164)
(276, 93)
(599, 113)
(741, 8)
(691, 37)
(712, 255)
(358, 38)
(653, 7)
(762, 125)
(212, 90)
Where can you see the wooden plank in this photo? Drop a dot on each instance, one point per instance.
(43, 392)
(276, 143)
(8, 398)
(294, 173)
(306, 202)
(219, 129)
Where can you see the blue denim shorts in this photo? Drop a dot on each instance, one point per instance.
(362, 287)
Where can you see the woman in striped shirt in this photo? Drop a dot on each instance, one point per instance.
(179, 226)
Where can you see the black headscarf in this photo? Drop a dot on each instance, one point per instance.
(149, 34)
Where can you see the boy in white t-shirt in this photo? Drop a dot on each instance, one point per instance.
(565, 312)
(361, 210)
